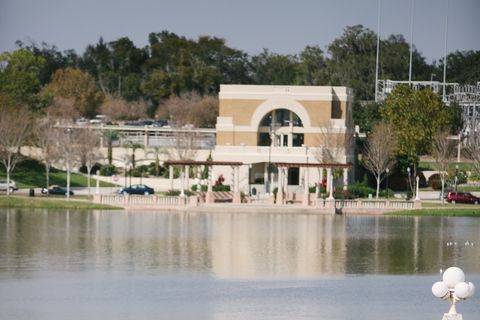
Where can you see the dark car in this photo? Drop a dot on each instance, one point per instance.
(56, 190)
(137, 189)
(462, 197)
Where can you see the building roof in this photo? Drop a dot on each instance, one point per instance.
(202, 163)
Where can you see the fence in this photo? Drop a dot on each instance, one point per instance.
(375, 204)
(139, 200)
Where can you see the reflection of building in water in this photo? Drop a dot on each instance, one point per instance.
(254, 246)
(234, 245)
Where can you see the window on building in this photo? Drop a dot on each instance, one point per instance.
(297, 140)
(264, 139)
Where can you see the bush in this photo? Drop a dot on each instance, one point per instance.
(388, 193)
(175, 193)
(313, 189)
(221, 187)
(195, 188)
(140, 171)
(360, 190)
(108, 170)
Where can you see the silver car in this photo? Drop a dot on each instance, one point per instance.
(12, 185)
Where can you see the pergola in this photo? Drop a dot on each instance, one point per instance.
(283, 175)
(200, 165)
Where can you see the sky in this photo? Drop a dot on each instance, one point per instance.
(250, 25)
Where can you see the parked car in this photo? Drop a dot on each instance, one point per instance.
(462, 197)
(56, 190)
(137, 189)
(12, 184)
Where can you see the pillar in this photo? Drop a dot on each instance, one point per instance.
(320, 176)
(237, 197)
(306, 193)
(187, 177)
(345, 178)
(198, 176)
(271, 181)
(97, 188)
(329, 179)
(209, 195)
(182, 182)
(145, 138)
(417, 193)
(280, 186)
(265, 177)
(330, 184)
(285, 179)
(170, 176)
(233, 178)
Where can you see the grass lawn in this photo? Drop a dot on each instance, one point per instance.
(438, 209)
(454, 212)
(49, 203)
(31, 174)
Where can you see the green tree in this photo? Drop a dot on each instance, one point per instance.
(272, 68)
(19, 77)
(416, 115)
(462, 67)
(79, 86)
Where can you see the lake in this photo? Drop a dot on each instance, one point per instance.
(145, 265)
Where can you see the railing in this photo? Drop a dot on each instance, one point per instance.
(139, 200)
(374, 204)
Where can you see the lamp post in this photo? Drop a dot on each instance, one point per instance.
(409, 179)
(456, 177)
(387, 171)
(454, 289)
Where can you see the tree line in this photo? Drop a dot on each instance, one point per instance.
(119, 78)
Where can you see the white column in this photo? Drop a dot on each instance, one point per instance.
(345, 178)
(182, 181)
(97, 188)
(272, 175)
(187, 177)
(265, 177)
(285, 185)
(417, 194)
(329, 179)
(237, 179)
(320, 176)
(210, 178)
(280, 182)
(306, 180)
(170, 176)
(198, 176)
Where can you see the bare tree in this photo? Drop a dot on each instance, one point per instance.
(15, 126)
(332, 143)
(44, 139)
(66, 139)
(378, 155)
(443, 150)
(472, 149)
(88, 150)
(185, 144)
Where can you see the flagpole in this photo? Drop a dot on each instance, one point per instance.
(378, 51)
(411, 42)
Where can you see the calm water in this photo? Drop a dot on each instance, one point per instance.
(117, 265)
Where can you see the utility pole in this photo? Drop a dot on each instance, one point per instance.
(378, 51)
(445, 55)
(411, 42)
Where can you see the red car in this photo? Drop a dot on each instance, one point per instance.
(462, 197)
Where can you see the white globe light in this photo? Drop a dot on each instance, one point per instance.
(462, 290)
(452, 276)
(471, 289)
(439, 289)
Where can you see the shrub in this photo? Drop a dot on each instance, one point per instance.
(140, 171)
(221, 187)
(360, 190)
(195, 188)
(108, 170)
(96, 166)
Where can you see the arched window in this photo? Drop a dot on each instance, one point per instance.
(278, 125)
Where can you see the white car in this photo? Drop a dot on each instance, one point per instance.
(3, 185)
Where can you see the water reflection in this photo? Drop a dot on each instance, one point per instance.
(233, 245)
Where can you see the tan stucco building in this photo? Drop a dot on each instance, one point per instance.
(263, 124)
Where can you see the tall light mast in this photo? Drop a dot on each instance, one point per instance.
(411, 42)
(378, 51)
(445, 54)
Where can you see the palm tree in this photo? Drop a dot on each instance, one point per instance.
(134, 146)
(156, 151)
(110, 136)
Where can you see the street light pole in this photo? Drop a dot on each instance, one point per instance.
(387, 171)
(378, 51)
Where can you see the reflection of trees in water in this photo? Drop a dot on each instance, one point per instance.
(403, 245)
(233, 245)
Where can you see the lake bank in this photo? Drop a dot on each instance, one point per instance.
(51, 203)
